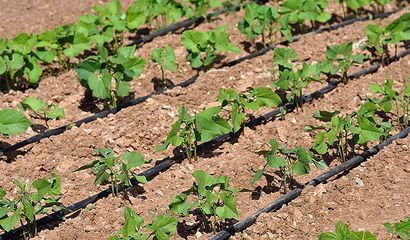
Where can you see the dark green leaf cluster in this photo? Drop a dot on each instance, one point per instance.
(162, 227)
(13, 122)
(42, 196)
(357, 5)
(339, 59)
(288, 162)
(393, 102)
(345, 132)
(211, 196)
(342, 231)
(97, 72)
(379, 38)
(292, 79)
(400, 229)
(114, 169)
(202, 47)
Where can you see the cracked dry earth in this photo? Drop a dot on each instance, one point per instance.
(365, 198)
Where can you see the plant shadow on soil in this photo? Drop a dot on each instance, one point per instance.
(89, 104)
(10, 157)
(202, 224)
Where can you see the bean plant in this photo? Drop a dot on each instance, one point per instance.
(293, 79)
(299, 11)
(117, 171)
(162, 227)
(211, 196)
(253, 99)
(393, 102)
(20, 61)
(288, 162)
(264, 21)
(43, 195)
(345, 132)
(202, 47)
(189, 130)
(379, 38)
(399, 229)
(342, 231)
(165, 58)
(42, 110)
(339, 59)
(97, 73)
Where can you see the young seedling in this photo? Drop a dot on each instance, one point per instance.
(42, 110)
(20, 60)
(165, 58)
(292, 79)
(253, 100)
(42, 196)
(117, 171)
(212, 197)
(162, 227)
(299, 11)
(347, 131)
(288, 162)
(260, 19)
(379, 38)
(13, 122)
(98, 72)
(202, 6)
(353, 5)
(400, 229)
(189, 130)
(342, 231)
(202, 47)
(393, 102)
(339, 59)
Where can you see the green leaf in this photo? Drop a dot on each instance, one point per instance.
(325, 116)
(3, 66)
(210, 125)
(10, 222)
(165, 57)
(228, 210)
(257, 176)
(54, 112)
(163, 226)
(100, 86)
(13, 122)
(17, 61)
(284, 56)
(133, 223)
(34, 104)
(123, 88)
(133, 159)
(342, 232)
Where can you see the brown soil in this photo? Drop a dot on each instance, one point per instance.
(144, 126)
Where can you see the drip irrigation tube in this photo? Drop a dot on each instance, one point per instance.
(166, 163)
(183, 24)
(104, 113)
(287, 198)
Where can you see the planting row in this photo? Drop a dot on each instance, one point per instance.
(23, 56)
(97, 72)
